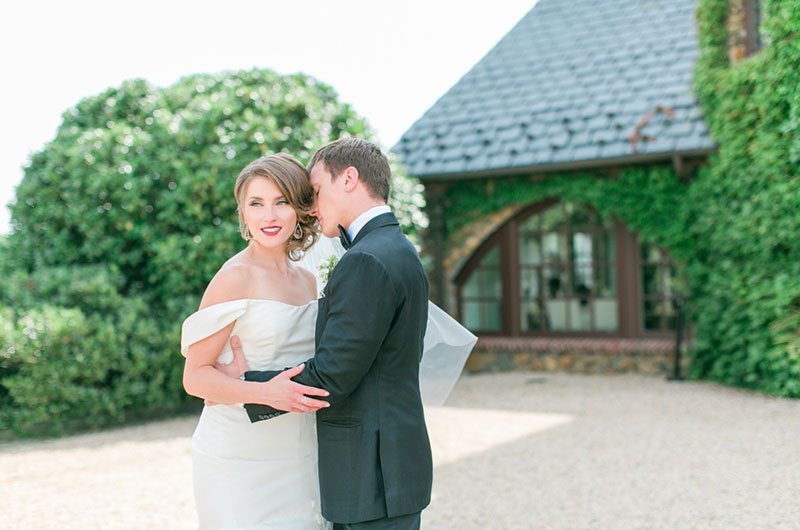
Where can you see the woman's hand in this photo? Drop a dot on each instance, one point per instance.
(238, 365)
(235, 368)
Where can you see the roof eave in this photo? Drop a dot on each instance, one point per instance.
(566, 166)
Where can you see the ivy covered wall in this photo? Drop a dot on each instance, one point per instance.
(733, 226)
(746, 271)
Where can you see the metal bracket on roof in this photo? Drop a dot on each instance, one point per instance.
(636, 136)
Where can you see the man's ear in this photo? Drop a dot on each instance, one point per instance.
(351, 178)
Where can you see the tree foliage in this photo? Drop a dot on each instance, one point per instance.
(120, 222)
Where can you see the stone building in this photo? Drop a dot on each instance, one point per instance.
(577, 85)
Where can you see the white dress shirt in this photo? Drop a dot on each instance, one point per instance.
(359, 222)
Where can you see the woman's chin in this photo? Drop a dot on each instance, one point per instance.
(271, 242)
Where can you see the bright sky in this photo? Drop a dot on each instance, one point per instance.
(390, 60)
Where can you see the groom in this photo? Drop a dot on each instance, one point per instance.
(375, 465)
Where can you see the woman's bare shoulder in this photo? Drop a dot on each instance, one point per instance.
(233, 281)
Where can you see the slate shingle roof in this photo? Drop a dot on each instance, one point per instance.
(567, 87)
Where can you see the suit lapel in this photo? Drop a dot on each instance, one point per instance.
(384, 219)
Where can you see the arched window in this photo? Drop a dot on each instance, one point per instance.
(567, 271)
(560, 268)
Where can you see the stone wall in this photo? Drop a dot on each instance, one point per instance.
(584, 356)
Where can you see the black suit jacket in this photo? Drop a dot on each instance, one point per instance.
(374, 452)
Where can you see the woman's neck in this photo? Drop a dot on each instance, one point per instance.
(270, 258)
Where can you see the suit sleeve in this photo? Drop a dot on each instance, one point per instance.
(362, 302)
(255, 411)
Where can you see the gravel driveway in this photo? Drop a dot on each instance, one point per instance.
(511, 451)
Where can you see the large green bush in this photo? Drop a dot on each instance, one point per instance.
(77, 353)
(120, 222)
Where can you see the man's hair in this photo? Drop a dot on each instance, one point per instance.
(366, 157)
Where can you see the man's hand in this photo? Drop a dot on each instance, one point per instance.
(284, 394)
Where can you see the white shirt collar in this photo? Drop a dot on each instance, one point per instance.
(356, 226)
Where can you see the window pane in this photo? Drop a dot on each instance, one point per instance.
(556, 306)
(532, 318)
(580, 318)
(582, 248)
(494, 317)
(492, 286)
(553, 243)
(471, 287)
(530, 252)
(556, 314)
(482, 294)
(582, 281)
(530, 283)
(555, 282)
(472, 315)
(605, 284)
(605, 314)
(492, 257)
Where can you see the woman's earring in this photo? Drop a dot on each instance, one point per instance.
(298, 231)
(247, 235)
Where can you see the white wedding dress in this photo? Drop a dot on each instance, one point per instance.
(256, 475)
(264, 475)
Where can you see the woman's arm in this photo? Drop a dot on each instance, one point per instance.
(200, 378)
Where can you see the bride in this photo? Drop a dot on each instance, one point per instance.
(263, 475)
(263, 301)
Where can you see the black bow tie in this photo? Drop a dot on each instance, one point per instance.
(344, 237)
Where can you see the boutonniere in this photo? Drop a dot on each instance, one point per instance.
(325, 271)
